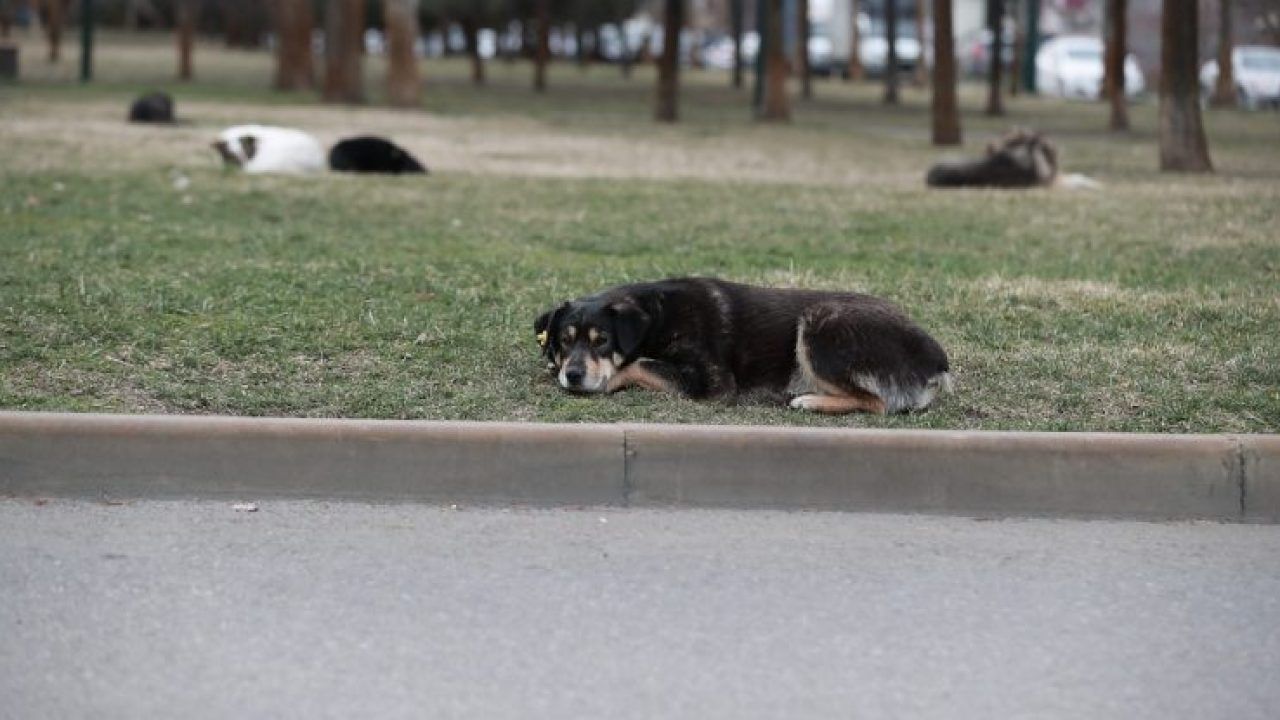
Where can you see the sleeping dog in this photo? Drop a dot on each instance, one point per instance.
(266, 149)
(829, 352)
(1021, 159)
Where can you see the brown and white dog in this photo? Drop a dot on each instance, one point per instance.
(830, 352)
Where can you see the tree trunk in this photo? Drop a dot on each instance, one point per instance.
(664, 109)
(736, 22)
(185, 24)
(995, 23)
(891, 58)
(471, 31)
(1117, 46)
(542, 51)
(775, 106)
(802, 49)
(294, 22)
(1183, 147)
(344, 36)
(1016, 11)
(55, 17)
(945, 108)
(921, 75)
(404, 82)
(855, 70)
(1224, 92)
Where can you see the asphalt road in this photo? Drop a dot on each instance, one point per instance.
(196, 610)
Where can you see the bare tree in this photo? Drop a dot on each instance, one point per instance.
(945, 108)
(1224, 92)
(471, 31)
(855, 70)
(922, 68)
(891, 57)
(1183, 147)
(802, 49)
(1017, 11)
(776, 106)
(1117, 47)
(55, 16)
(664, 109)
(344, 38)
(736, 22)
(185, 24)
(995, 22)
(404, 82)
(294, 23)
(542, 51)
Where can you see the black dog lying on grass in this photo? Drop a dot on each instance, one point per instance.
(1021, 159)
(154, 107)
(830, 352)
(367, 154)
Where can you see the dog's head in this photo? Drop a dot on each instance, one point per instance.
(1029, 150)
(237, 146)
(586, 342)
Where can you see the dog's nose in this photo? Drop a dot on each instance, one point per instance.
(574, 376)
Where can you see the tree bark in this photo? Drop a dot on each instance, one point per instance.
(995, 22)
(1017, 12)
(891, 58)
(855, 70)
(776, 106)
(664, 109)
(294, 22)
(344, 36)
(1183, 147)
(542, 52)
(55, 18)
(802, 49)
(1224, 92)
(921, 75)
(185, 25)
(404, 81)
(1117, 46)
(945, 108)
(471, 31)
(736, 22)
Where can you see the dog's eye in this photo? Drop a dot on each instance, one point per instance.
(601, 340)
(566, 338)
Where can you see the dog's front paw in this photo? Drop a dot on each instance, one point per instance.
(805, 402)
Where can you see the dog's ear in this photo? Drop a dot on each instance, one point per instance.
(547, 328)
(630, 324)
(249, 144)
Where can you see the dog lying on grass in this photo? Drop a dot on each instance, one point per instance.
(829, 352)
(267, 149)
(154, 107)
(367, 154)
(1021, 159)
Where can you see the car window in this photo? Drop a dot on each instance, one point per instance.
(1261, 61)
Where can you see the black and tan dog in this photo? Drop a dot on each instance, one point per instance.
(828, 352)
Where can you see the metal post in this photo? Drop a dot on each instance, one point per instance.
(1030, 44)
(86, 40)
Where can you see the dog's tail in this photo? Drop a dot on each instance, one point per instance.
(1076, 181)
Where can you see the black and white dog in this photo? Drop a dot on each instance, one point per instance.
(367, 154)
(1020, 159)
(829, 352)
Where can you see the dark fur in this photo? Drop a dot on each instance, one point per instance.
(1009, 163)
(709, 338)
(156, 107)
(373, 155)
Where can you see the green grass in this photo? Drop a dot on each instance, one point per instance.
(1149, 306)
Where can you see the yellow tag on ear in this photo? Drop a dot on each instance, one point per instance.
(542, 338)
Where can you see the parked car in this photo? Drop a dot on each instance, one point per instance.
(1071, 66)
(1256, 70)
(873, 47)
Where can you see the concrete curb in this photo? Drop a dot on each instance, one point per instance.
(1221, 477)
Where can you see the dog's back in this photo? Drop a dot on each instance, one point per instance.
(1021, 159)
(368, 154)
(268, 149)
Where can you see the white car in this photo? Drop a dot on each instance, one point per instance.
(1257, 75)
(1071, 66)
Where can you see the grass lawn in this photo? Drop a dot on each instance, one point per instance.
(138, 276)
